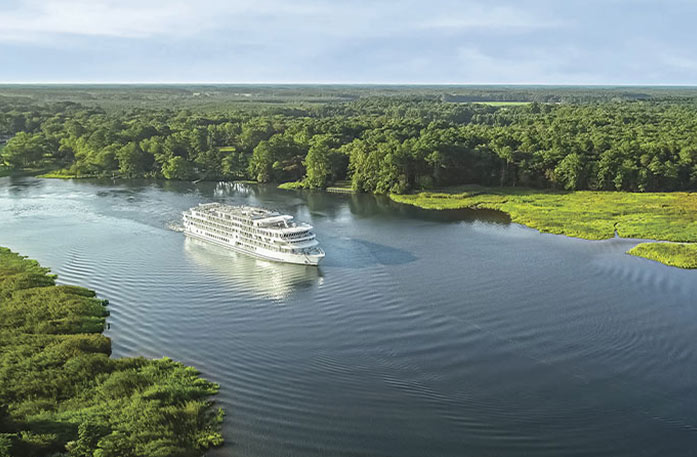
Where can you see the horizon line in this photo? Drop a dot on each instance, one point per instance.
(339, 83)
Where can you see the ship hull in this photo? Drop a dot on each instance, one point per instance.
(260, 253)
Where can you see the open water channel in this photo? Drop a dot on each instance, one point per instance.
(421, 334)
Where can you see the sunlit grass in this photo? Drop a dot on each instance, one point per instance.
(58, 174)
(64, 173)
(682, 255)
(338, 186)
(670, 216)
(292, 185)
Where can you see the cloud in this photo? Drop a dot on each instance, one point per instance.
(679, 61)
(467, 41)
(41, 20)
(501, 18)
(35, 20)
(521, 65)
(45, 20)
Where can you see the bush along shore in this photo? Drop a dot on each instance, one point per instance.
(62, 394)
(591, 215)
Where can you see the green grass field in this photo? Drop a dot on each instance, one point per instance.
(338, 187)
(682, 255)
(503, 103)
(591, 215)
(292, 185)
(64, 174)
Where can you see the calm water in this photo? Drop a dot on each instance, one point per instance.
(421, 335)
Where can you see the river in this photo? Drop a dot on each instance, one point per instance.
(422, 333)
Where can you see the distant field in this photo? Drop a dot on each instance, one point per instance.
(262, 97)
(667, 216)
(503, 103)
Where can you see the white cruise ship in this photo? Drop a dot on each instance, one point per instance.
(255, 231)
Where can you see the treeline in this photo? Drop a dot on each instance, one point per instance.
(381, 144)
(61, 393)
(222, 97)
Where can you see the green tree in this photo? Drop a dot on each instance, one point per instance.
(65, 394)
(88, 436)
(177, 168)
(321, 160)
(24, 150)
(131, 160)
(6, 444)
(571, 172)
(254, 131)
(234, 164)
(277, 159)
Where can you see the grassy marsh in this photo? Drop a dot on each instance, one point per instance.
(681, 255)
(584, 214)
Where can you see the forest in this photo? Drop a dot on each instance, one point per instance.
(381, 140)
(61, 393)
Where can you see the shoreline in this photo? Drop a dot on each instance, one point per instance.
(590, 215)
(88, 401)
(645, 217)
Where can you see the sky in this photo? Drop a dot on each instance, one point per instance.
(608, 42)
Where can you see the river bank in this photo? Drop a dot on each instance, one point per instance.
(62, 392)
(670, 217)
(396, 345)
(592, 215)
(339, 187)
(7, 171)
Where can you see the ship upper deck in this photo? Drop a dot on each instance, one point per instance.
(258, 217)
(247, 212)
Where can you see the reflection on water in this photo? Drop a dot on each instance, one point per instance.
(269, 279)
(17, 184)
(422, 334)
(225, 188)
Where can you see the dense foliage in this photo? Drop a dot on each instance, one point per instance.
(61, 393)
(381, 143)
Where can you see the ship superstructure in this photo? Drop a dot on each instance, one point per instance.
(255, 231)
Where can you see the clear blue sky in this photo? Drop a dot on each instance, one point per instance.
(374, 41)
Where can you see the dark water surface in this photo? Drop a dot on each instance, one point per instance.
(422, 334)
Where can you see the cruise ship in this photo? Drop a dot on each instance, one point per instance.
(255, 231)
